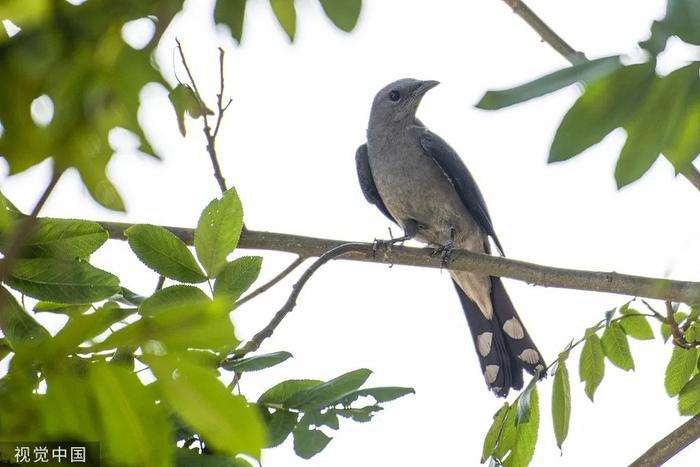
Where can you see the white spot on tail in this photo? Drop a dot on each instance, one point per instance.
(529, 356)
(483, 343)
(514, 329)
(491, 373)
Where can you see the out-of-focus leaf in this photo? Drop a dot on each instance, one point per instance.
(192, 458)
(343, 13)
(257, 362)
(218, 230)
(657, 116)
(308, 443)
(166, 254)
(616, 347)
(236, 277)
(682, 19)
(279, 425)
(60, 308)
(286, 15)
(232, 14)
(592, 364)
(689, 397)
(493, 435)
(184, 100)
(684, 144)
(586, 71)
(64, 238)
(64, 281)
(680, 368)
(173, 297)
(561, 403)
(280, 393)
(605, 104)
(329, 392)
(226, 421)
(68, 411)
(19, 328)
(134, 429)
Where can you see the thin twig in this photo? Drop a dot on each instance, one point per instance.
(268, 285)
(160, 283)
(670, 445)
(678, 337)
(254, 343)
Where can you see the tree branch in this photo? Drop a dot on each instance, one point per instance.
(670, 445)
(268, 285)
(611, 282)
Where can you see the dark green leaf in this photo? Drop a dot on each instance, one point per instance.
(236, 277)
(680, 368)
(280, 393)
(637, 326)
(382, 394)
(317, 418)
(173, 297)
(689, 397)
(494, 433)
(682, 19)
(362, 414)
(561, 403)
(258, 362)
(183, 99)
(135, 430)
(17, 326)
(525, 436)
(224, 420)
(605, 104)
(231, 13)
(279, 425)
(308, 443)
(343, 13)
(286, 15)
(684, 144)
(592, 364)
(64, 281)
(330, 392)
(585, 71)
(218, 230)
(616, 347)
(64, 238)
(648, 133)
(162, 251)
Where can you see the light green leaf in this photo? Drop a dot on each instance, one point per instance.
(280, 393)
(605, 104)
(232, 14)
(226, 421)
(308, 443)
(616, 347)
(587, 71)
(258, 362)
(236, 277)
(680, 368)
(279, 425)
(68, 411)
(525, 437)
(135, 430)
(684, 144)
(64, 281)
(64, 238)
(162, 251)
(689, 397)
(561, 403)
(192, 458)
(175, 296)
(330, 392)
(494, 433)
(286, 15)
(60, 308)
(592, 364)
(343, 13)
(218, 230)
(637, 326)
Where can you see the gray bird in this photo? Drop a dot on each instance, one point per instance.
(419, 182)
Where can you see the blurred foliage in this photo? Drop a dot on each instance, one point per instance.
(660, 114)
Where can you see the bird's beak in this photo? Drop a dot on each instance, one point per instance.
(425, 86)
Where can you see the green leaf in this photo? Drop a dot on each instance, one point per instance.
(648, 133)
(236, 277)
(616, 347)
(585, 71)
(494, 433)
(689, 397)
(226, 421)
(343, 13)
(279, 425)
(60, 308)
(679, 370)
(362, 414)
(258, 362)
(592, 364)
(308, 443)
(218, 230)
(561, 403)
(317, 418)
(64, 238)
(231, 13)
(69, 411)
(162, 251)
(183, 99)
(682, 18)
(286, 15)
(381, 394)
(63, 281)
(684, 144)
(135, 430)
(330, 392)
(637, 326)
(19, 328)
(523, 407)
(665, 330)
(175, 296)
(605, 104)
(525, 436)
(192, 458)
(280, 393)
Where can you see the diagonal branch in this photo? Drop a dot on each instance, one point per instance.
(670, 445)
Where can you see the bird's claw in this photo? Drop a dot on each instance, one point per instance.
(445, 251)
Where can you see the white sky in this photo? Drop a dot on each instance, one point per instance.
(288, 145)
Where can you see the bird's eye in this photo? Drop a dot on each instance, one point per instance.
(394, 96)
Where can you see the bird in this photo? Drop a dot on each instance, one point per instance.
(420, 183)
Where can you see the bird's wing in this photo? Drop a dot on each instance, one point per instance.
(458, 174)
(369, 189)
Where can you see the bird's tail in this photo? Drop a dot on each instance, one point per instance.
(502, 343)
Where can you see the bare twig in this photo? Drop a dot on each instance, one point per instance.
(271, 283)
(291, 302)
(692, 174)
(670, 445)
(160, 283)
(460, 260)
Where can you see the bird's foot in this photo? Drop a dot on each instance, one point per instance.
(387, 244)
(445, 251)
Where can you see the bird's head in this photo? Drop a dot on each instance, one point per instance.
(399, 100)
